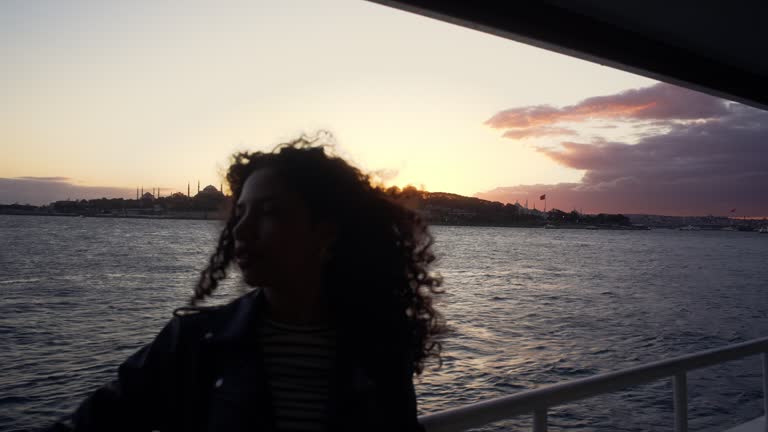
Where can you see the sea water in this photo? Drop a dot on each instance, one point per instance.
(524, 307)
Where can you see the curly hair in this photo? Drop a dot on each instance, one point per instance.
(378, 267)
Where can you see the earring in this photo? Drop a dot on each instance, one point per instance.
(324, 254)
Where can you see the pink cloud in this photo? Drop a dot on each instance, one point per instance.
(661, 101)
(700, 168)
(536, 132)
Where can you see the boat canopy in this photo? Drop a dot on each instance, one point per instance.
(711, 46)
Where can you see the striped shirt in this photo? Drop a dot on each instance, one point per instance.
(298, 362)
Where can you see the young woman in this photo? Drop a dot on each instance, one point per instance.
(341, 319)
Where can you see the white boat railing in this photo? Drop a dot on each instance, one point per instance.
(538, 401)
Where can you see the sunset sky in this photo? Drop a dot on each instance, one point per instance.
(99, 98)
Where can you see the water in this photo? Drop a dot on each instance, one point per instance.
(526, 307)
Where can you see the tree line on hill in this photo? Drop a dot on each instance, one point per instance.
(441, 208)
(437, 208)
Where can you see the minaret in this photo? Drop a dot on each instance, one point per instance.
(187, 189)
(137, 193)
(198, 186)
(142, 191)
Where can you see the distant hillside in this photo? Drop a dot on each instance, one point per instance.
(437, 208)
(442, 208)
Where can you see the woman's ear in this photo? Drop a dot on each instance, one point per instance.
(326, 234)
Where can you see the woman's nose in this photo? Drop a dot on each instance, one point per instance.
(245, 228)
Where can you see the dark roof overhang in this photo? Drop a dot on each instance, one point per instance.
(711, 46)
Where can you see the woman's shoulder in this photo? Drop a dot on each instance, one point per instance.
(222, 322)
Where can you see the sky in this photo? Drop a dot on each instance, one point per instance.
(100, 98)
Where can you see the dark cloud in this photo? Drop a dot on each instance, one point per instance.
(44, 190)
(660, 102)
(706, 167)
(53, 179)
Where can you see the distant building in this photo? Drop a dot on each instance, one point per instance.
(209, 198)
(209, 191)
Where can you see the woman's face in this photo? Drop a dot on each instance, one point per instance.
(276, 241)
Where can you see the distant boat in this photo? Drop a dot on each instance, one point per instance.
(689, 228)
(729, 228)
(550, 226)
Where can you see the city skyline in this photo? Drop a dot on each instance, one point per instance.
(156, 195)
(101, 98)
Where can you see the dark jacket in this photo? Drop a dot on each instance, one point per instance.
(203, 372)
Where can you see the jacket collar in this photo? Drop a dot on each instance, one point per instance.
(235, 323)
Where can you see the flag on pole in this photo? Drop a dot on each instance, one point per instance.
(543, 197)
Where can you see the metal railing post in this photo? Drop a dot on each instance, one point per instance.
(765, 391)
(538, 401)
(540, 420)
(680, 383)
